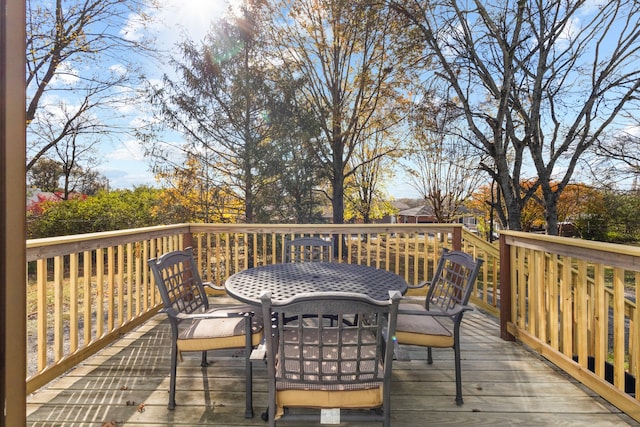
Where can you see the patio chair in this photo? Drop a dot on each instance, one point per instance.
(312, 364)
(436, 322)
(195, 326)
(309, 249)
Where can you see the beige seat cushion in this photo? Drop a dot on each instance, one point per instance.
(426, 331)
(354, 399)
(216, 333)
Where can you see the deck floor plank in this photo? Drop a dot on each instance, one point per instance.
(504, 384)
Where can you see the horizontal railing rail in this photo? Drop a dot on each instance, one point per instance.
(574, 301)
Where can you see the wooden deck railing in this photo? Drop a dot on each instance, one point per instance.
(572, 301)
(407, 250)
(486, 294)
(85, 291)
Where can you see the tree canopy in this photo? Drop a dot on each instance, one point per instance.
(236, 115)
(539, 83)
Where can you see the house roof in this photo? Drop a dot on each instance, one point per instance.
(400, 205)
(417, 211)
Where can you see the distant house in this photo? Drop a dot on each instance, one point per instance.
(398, 206)
(425, 215)
(568, 229)
(469, 219)
(418, 215)
(36, 197)
(391, 218)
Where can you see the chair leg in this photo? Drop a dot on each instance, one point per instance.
(172, 381)
(272, 414)
(456, 349)
(271, 392)
(204, 362)
(429, 356)
(248, 369)
(248, 413)
(386, 411)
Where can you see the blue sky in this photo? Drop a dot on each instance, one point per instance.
(123, 162)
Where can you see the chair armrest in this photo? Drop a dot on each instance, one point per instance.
(419, 285)
(172, 312)
(212, 286)
(437, 313)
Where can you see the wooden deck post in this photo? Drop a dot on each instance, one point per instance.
(13, 343)
(456, 243)
(187, 240)
(505, 289)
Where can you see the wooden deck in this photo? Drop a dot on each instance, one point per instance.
(504, 384)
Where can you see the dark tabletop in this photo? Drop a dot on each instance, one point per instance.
(287, 280)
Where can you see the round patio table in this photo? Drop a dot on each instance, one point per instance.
(286, 280)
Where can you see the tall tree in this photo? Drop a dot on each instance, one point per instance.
(221, 101)
(617, 158)
(71, 154)
(351, 62)
(295, 192)
(540, 82)
(299, 184)
(483, 205)
(90, 182)
(80, 66)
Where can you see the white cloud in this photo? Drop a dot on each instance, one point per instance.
(569, 32)
(125, 166)
(134, 28)
(592, 6)
(118, 69)
(633, 131)
(55, 108)
(124, 175)
(129, 150)
(66, 74)
(138, 122)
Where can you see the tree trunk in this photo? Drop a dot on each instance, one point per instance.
(512, 201)
(337, 202)
(551, 213)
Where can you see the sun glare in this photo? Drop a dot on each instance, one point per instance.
(191, 18)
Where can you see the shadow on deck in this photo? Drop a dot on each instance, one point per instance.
(504, 384)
